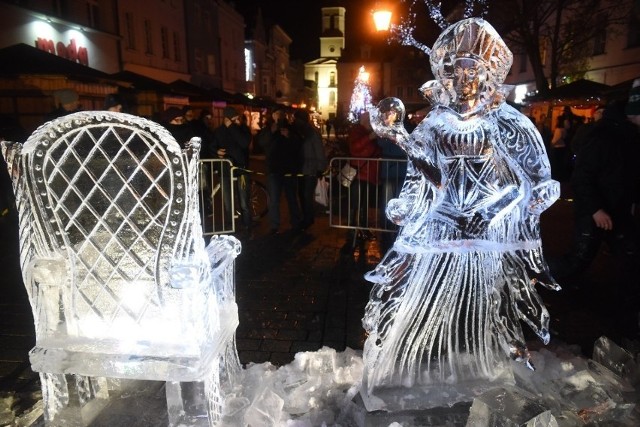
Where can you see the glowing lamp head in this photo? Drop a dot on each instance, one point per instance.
(382, 18)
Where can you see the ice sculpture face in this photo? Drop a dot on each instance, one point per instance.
(448, 298)
(115, 266)
(467, 75)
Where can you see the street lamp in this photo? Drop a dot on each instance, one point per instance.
(381, 17)
(382, 21)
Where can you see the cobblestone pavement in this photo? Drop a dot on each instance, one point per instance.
(296, 292)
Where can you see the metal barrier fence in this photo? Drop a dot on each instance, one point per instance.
(217, 196)
(359, 203)
(220, 187)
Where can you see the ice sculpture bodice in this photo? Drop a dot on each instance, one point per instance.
(472, 177)
(483, 171)
(448, 298)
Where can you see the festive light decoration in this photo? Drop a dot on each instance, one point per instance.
(403, 32)
(361, 95)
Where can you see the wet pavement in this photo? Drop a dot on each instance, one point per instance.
(297, 292)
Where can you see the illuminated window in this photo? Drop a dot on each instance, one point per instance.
(93, 13)
(211, 64)
(600, 40)
(332, 98)
(206, 17)
(148, 46)
(131, 33)
(332, 78)
(164, 38)
(176, 47)
(248, 64)
(633, 30)
(544, 48)
(198, 62)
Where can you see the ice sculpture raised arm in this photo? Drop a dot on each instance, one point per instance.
(445, 309)
(114, 262)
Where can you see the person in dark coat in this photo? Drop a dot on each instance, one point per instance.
(113, 102)
(282, 149)
(604, 183)
(231, 140)
(66, 103)
(173, 120)
(314, 163)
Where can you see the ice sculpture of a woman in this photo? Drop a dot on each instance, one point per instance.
(447, 300)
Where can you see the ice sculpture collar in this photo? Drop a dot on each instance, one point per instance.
(472, 39)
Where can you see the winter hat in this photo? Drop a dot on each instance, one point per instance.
(111, 101)
(633, 104)
(302, 115)
(67, 96)
(171, 113)
(230, 113)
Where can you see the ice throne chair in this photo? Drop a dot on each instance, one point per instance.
(120, 282)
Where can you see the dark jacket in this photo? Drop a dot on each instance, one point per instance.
(181, 133)
(235, 139)
(314, 160)
(283, 153)
(605, 174)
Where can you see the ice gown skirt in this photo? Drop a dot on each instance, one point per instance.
(434, 318)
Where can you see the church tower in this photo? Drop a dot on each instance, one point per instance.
(332, 36)
(324, 71)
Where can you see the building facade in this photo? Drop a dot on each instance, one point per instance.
(324, 70)
(614, 59)
(89, 38)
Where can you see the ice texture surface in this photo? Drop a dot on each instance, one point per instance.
(449, 296)
(116, 268)
(506, 407)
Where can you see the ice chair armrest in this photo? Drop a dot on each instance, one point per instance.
(48, 271)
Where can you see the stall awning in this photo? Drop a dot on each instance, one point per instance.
(21, 59)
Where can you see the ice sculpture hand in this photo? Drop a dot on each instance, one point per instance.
(387, 121)
(397, 211)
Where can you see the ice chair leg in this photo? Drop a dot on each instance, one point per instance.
(55, 394)
(197, 403)
(72, 400)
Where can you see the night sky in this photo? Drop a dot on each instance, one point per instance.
(301, 19)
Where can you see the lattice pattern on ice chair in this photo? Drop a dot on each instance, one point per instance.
(114, 260)
(115, 200)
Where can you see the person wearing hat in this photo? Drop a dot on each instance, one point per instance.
(113, 102)
(173, 120)
(605, 184)
(231, 140)
(633, 104)
(67, 103)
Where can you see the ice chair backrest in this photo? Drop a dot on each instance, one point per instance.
(111, 205)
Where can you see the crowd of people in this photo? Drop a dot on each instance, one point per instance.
(294, 154)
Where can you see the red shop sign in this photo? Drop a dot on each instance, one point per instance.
(72, 52)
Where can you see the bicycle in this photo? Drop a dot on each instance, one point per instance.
(258, 200)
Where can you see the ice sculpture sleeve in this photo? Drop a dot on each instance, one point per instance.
(418, 151)
(415, 198)
(527, 156)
